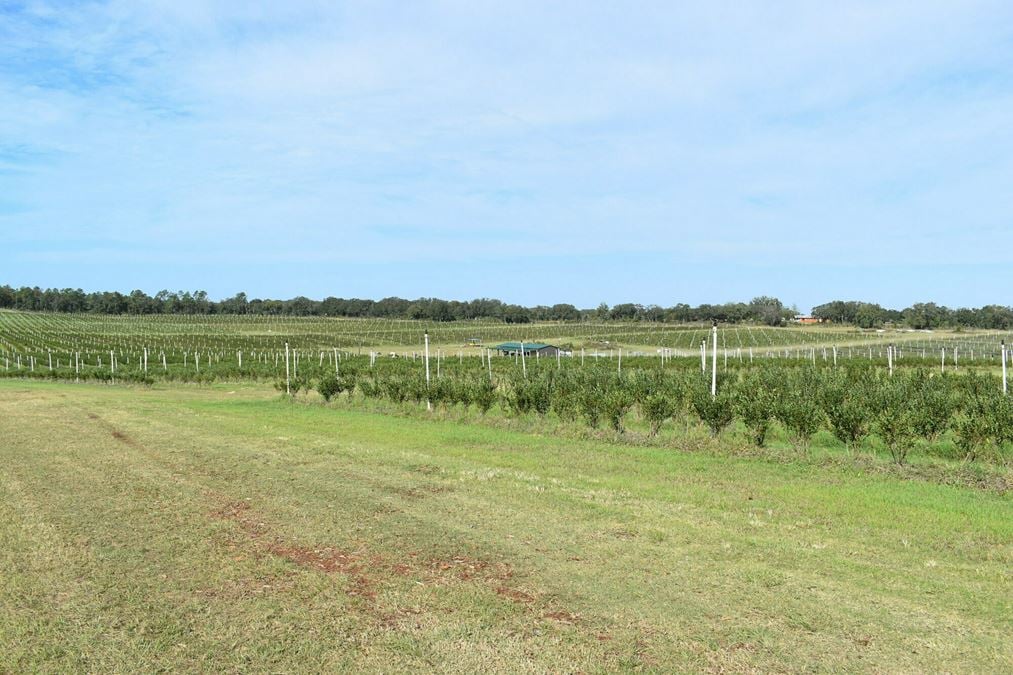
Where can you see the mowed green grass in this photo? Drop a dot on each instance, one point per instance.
(218, 529)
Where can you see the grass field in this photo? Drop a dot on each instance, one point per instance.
(223, 528)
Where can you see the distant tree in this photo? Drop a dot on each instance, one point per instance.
(138, 302)
(869, 316)
(564, 312)
(516, 314)
(237, 304)
(300, 306)
(926, 315)
(6, 296)
(625, 311)
(653, 313)
(766, 310)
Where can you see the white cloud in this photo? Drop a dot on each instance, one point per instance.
(712, 131)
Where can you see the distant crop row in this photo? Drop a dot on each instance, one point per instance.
(854, 403)
(39, 332)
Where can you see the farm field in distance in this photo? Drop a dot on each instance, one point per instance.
(42, 331)
(225, 528)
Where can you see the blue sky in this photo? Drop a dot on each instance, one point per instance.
(531, 151)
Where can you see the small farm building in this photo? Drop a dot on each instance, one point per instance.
(530, 349)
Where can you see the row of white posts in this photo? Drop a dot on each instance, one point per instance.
(429, 405)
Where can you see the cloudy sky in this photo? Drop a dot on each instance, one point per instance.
(538, 152)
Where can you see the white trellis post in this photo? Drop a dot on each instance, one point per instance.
(429, 403)
(288, 382)
(524, 364)
(1004, 367)
(714, 361)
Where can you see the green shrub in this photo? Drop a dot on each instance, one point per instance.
(657, 408)
(716, 412)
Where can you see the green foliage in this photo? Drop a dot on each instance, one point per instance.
(657, 408)
(330, 386)
(530, 394)
(755, 404)
(717, 412)
(844, 399)
(616, 403)
(797, 406)
(895, 416)
(933, 405)
(483, 394)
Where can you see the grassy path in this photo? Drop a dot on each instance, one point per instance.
(209, 529)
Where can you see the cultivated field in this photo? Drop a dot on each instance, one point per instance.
(225, 528)
(37, 331)
(842, 502)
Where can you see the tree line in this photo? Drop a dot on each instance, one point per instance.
(763, 310)
(920, 316)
